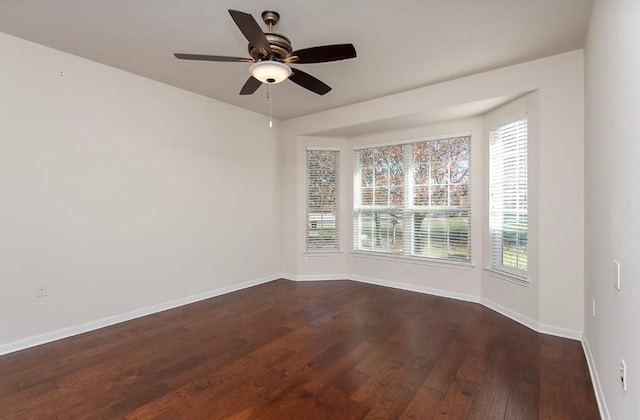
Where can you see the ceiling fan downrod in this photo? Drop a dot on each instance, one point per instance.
(270, 18)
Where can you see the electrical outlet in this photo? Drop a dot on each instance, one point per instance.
(407, 270)
(245, 255)
(41, 289)
(623, 375)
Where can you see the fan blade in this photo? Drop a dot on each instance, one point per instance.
(251, 30)
(307, 81)
(251, 85)
(324, 53)
(212, 58)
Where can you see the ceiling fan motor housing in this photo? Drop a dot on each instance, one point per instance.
(280, 44)
(280, 47)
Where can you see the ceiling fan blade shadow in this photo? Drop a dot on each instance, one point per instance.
(324, 54)
(203, 57)
(250, 86)
(309, 82)
(251, 30)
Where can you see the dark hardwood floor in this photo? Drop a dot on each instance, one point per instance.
(316, 350)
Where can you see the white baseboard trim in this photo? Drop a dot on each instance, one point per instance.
(531, 323)
(560, 331)
(318, 277)
(115, 319)
(415, 288)
(516, 316)
(595, 381)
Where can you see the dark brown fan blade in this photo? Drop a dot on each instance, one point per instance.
(212, 58)
(251, 30)
(250, 86)
(324, 53)
(307, 81)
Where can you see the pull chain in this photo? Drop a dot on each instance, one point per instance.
(269, 99)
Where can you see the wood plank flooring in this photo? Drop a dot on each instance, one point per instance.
(312, 350)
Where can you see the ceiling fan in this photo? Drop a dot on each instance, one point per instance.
(271, 54)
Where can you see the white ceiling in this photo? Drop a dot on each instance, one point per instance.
(401, 44)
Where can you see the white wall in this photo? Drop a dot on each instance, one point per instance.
(559, 287)
(612, 201)
(121, 193)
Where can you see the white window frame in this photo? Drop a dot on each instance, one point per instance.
(315, 217)
(509, 196)
(408, 209)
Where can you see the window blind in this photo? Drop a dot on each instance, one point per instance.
(323, 200)
(508, 189)
(414, 199)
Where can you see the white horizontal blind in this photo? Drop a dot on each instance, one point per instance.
(508, 191)
(323, 200)
(414, 199)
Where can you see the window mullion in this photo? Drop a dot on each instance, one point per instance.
(407, 213)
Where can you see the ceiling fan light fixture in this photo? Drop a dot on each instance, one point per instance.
(270, 72)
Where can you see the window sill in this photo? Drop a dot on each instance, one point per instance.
(414, 260)
(508, 277)
(319, 253)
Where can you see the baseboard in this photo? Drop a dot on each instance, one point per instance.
(316, 277)
(560, 331)
(415, 288)
(531, 323)
(595, 381)
(115, 319)
(516, 316)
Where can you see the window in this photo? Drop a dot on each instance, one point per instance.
(323, 200)
(508, 198)
(414, 199)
